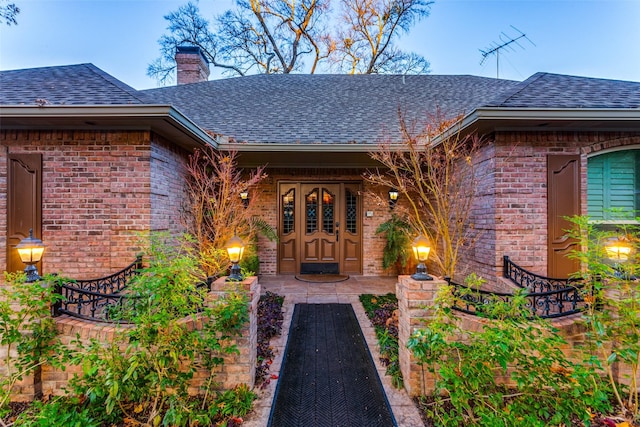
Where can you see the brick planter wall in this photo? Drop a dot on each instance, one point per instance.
(414, 301)
(237, 368)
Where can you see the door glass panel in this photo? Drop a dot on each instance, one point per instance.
(328, 211)
(311, 211)
(288, 212)
(352, 212)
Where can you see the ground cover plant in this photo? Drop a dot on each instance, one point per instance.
(143, 375)
(382, 312)
(270, 319)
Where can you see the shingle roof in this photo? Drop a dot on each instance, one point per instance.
(546, 90)
(327, 109)
(82, 84)
(310, 109)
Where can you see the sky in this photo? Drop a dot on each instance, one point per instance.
(593, 38)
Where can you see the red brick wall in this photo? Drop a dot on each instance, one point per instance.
(510, 212)
(99, 189)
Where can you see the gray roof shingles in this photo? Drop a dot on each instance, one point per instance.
(309, 109)
(316, 109)
(82, 84)
(546, 90)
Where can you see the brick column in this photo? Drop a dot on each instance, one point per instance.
(241, 368)
(414, 300)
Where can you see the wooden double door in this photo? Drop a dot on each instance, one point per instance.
(320, 228)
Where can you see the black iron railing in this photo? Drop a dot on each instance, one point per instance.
(95, 299)
(533, 282)
(549, 304)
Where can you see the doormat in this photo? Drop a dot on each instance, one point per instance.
(322, 278)
(328, 378)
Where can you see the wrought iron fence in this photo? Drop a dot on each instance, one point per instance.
(95, 299)
(533, 282)
(548, 304)
(100, 299)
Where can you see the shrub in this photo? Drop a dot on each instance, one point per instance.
(143, 375)
(27, 330)
(544, 387)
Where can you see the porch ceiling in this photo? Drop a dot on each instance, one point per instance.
(323, 157)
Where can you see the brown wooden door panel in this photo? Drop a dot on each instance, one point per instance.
(311, 250)
(319, 227)
(329, 250)
(563, 200)
(24, 199)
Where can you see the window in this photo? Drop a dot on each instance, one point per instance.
(613, 186)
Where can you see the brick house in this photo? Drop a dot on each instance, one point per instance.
(86, 161)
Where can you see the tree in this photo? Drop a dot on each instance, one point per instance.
(8, 12)
(213, 211)
(365, 44)
(286, 36)
(434, 170)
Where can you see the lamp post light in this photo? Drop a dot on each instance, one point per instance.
(235, 249)
(30, 250)
(393, 198)
(244, 196)
(421, 251)
(619, 250)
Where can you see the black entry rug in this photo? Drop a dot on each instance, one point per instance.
(328, 378)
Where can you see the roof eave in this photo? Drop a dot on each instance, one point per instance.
(559, 119)
(162, 119)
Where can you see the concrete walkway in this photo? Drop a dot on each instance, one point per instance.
(295, 291)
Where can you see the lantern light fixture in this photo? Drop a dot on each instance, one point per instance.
(31, 250)
(244, 196)
(421, 251)
(393, 198)
(235, 249)
(618, 249)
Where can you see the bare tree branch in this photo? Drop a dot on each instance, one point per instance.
(277, 36)
(8, 12)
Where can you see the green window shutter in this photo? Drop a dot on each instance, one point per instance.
(611, 184)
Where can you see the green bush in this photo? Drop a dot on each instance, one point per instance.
(144, 373)
(545, 388)
(27, 330)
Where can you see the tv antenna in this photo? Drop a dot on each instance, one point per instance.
(506, 43)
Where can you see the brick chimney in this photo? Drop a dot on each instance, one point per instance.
(192, 65)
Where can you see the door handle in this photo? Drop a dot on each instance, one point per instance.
(337, 231)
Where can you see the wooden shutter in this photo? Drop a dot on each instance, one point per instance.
(611, 184)
(563, 200)
(24, 197)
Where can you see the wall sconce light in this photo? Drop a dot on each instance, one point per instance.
(30, 250)
(244, 196)
(421, 251)
(235, 249)
(393, 198)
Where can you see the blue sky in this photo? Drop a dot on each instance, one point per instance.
(595, 38)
